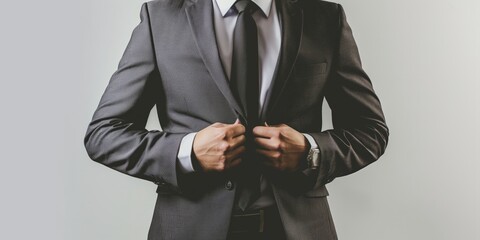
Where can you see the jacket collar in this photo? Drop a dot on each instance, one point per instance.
(200, 19)
(226, 5)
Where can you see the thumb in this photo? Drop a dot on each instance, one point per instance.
(237, 121)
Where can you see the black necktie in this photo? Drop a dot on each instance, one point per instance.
(244, 75)
(245, 86)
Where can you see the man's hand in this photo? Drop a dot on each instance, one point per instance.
(218, 147)
(282, 146)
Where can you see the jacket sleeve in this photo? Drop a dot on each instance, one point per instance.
(360, 134)
(116, 136)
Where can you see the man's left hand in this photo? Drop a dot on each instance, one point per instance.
(283, 147)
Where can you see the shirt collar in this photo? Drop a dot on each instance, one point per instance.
(225, 5)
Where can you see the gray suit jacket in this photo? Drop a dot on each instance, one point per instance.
(172, 62)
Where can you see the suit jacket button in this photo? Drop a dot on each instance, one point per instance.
(229, 185)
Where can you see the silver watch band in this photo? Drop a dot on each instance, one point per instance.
(313, 158)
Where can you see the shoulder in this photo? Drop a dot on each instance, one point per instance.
(166, 10)
(320, 10)
(319, 5)
(324, 5)
(168, 4)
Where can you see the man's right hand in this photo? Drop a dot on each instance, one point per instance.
(219, 146)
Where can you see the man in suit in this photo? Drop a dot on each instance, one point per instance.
(238, 87)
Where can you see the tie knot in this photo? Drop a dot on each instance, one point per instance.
(245, 5)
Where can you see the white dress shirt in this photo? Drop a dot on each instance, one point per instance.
(269, 42)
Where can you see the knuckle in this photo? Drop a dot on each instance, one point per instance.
(276, 133)
(223, 135)
(223, 146)
(277, 145)
(220, 167)
(220, 134)
(228, 132)
(242, 128)
(220, 164)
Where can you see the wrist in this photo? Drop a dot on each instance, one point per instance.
(195, 163)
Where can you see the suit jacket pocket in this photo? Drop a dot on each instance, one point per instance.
(310, 70)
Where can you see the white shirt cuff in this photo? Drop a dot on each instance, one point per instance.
(184, 153)
(310, 139)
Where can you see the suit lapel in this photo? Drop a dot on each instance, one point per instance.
(291, 19)
(200, 18)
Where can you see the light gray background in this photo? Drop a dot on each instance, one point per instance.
(423, 57)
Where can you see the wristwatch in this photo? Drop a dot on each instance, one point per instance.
(313, 158)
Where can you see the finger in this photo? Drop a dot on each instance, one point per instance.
(266, 132)
(268, 163)
(267, 143)
(236, 121)
(235, 153)
(269, 154)
(278, 125)
(235, 130)
(235, 142)
(235, 162)
(270, 158)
